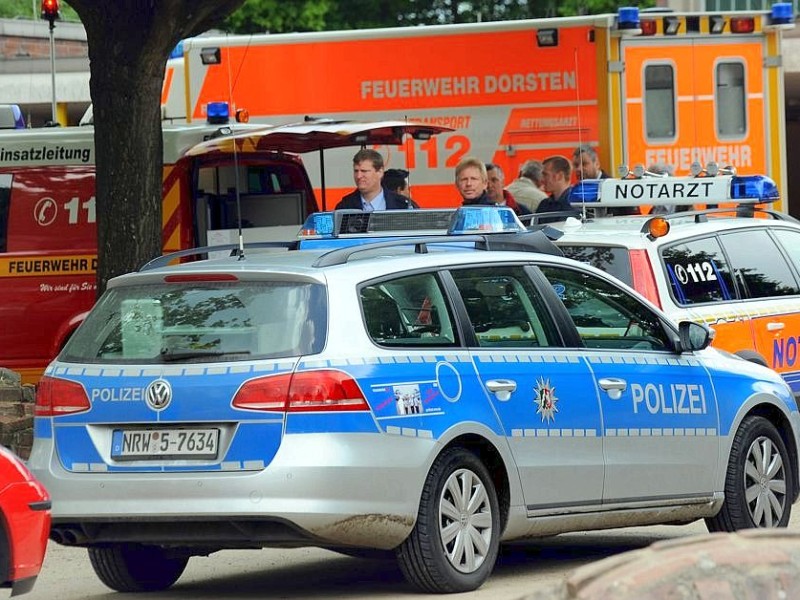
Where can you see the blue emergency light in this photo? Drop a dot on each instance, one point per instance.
(750, 188)
(628, 18)
(781, 14)
(484, 219)
(217, 113)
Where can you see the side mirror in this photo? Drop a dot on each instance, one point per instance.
(694, 336)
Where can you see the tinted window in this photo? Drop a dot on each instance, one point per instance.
(504, 308)
(731, 100)
(605, 315)
(698, 272)
(200, 323)
(790, 240)
(614, 261)
(659, 101)
(759, 265)
(408, 311)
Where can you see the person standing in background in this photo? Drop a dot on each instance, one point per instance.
(500, 196)
(472, 181)
(527, 188)
(369, 194)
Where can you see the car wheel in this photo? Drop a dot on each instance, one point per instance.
(758, 483)
(136, 568)
(454, 544)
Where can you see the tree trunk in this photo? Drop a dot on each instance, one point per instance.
(129, 43)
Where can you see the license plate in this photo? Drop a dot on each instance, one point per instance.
(139, 444)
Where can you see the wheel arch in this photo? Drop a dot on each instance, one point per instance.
(489, 454)
(779, 419)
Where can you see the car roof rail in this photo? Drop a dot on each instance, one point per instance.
(202, 252)
(701, 216)
(529, 241)
(551, 216)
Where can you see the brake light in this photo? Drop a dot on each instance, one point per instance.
(57, 397)
(323, 391)
(743, 24)
(200, 277)
(644, 280)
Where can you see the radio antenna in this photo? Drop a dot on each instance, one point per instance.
(236, 182)
(580, 129)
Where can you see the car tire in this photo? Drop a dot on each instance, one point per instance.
(758, 482)
(455, 541)
(135, 567)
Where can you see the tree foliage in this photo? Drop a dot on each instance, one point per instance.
(277, 16)
(129, 43)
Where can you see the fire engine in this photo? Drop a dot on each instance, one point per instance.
(219, 179)
(652, 87)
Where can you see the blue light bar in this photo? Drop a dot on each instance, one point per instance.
(585, 192)
(628, 17)
(753, 188)
(781, 14)
(484, 219)
(217, 112)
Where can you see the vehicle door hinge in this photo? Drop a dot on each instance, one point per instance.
(775, 60)
(616, 66)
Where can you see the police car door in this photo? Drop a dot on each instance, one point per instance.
(660, 436)
(542, 392)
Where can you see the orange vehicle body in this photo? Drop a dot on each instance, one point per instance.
(673, 91)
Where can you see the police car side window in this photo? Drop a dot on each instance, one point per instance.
(790, 240)
(606, 316)
(698, 272)
(503, 306)
(759, 265)
(408, 311)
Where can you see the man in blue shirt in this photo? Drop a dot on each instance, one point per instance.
(369, 194)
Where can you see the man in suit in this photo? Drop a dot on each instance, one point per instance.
(369, 194)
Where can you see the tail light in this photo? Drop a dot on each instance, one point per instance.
(56, 397)
(322, 391)
(644, 280)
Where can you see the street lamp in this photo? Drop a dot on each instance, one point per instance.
(50, 12)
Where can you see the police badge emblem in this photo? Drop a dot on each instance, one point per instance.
(546, 400)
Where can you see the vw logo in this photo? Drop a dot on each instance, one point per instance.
(158, 394)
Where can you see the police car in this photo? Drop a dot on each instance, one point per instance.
(430, 396)
(735, 267)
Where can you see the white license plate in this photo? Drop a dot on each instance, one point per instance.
(137, 444)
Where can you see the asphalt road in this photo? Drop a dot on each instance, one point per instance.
(523, 568)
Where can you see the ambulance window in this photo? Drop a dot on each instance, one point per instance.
(731, 100)
(763, 272)
(504, 308)
(5, 206)
(698, 272)
(659, 101)
(606, 316)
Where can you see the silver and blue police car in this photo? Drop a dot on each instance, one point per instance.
(429, 396)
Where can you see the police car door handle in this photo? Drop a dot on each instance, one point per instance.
(775, 326)
(502, 388)
(614, 386)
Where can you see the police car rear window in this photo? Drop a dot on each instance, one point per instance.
(613, 260)
(213, 321)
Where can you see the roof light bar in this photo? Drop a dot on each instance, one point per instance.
(750, 189)
(392, 223)
(781, 16)
(628, 21)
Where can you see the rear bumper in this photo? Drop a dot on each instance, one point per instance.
(320, 489)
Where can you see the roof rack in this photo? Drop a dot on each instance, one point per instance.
(528, 241)
(234, 249)
(701, 216)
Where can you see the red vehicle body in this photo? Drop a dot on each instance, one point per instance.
(24, 524)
